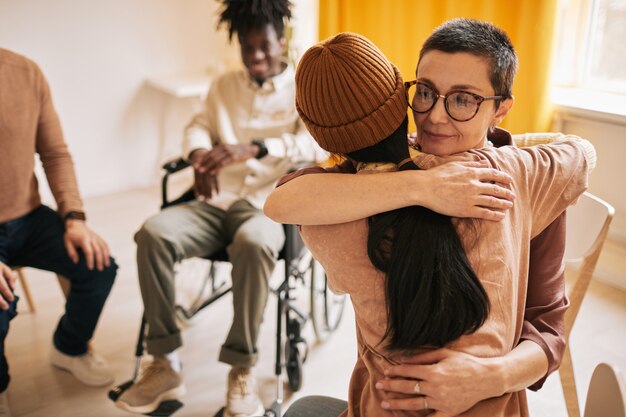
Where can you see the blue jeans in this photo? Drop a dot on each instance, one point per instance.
(36, 240)
(317, 406)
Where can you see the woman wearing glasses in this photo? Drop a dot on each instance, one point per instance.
(404, 314)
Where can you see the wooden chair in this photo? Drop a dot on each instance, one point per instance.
(587, 227)
(28, 295)
(607, 393)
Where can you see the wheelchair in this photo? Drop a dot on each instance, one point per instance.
(325, 308)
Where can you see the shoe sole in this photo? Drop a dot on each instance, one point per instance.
(259, 412)
(91, 383)
(173, 394)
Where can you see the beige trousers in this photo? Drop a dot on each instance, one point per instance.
(197, 229)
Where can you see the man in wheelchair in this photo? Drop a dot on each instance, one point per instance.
(247, 136)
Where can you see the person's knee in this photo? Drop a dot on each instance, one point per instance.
(154, 230)
(255, 245)
(95, 280)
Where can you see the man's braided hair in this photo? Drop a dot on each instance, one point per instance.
(241, 15)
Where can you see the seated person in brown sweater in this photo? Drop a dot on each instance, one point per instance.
(537, 344)
(34, 235)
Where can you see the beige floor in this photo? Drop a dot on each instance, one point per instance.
(38, 390)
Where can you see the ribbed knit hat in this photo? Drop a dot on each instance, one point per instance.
(348, 94)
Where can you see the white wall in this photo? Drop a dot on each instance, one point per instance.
(97, 56)
(608, 135)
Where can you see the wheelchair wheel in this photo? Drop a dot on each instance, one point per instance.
(293, 366)
(326, 306)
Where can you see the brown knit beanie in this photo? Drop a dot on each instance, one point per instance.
(348, 94)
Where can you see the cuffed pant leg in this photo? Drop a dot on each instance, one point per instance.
(317, 406)
(180, 232)
(253, 253)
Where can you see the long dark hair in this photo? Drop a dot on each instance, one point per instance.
(433, 296)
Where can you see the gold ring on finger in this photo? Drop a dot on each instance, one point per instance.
(417, 388)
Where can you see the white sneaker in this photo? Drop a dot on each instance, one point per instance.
(5, 410)
(242, 399)
(90, 369)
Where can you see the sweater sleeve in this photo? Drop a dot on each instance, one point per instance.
(552, 176)
(53, 152)
(546, 301)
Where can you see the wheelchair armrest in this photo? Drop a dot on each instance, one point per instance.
(179, 164)
(175, 165)
(171, 167)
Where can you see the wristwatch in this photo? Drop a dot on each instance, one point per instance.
(262, 148)
(74, 215)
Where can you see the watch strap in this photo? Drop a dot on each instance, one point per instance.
(74, 215)
(262, 148)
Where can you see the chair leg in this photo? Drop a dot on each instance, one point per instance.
(26, 288)
(566, 373)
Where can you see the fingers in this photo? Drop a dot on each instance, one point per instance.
(409, 371)
(71, 250)
(8, 274)
(97, 253)
(494, 175)
(499, 191)
(89, 253)
(214, 159)
(403, 386)
(201, 185)
(6, 287)
(205, 185)
(214, 184)
(106, 253)
(487, 214)
(412, 403)
(493, 203)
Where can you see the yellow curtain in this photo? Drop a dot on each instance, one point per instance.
(399, 27)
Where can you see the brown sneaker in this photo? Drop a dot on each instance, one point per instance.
(157, 384)
(242, 399)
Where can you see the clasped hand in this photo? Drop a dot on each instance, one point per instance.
(207, 164)
(450, 381)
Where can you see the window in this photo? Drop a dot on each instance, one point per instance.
(591, 52)
(590, 56)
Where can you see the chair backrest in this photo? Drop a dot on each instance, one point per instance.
(585, 221)
(607, 393)
(587, 227)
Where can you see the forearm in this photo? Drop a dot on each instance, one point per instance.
(520, 368)
(338, 198)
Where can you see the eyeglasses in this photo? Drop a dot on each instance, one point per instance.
(460, 105)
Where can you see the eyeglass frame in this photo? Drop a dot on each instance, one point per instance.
(478, 97)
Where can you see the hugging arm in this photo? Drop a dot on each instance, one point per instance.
(460, 189)
(453, 381)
